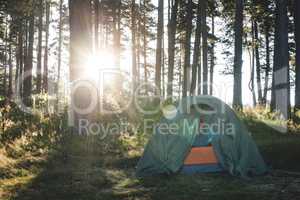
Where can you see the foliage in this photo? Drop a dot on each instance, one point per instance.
(37, 131)
(88, 168)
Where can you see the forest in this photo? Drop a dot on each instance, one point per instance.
(135, 99)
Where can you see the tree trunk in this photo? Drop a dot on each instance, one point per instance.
(10, 71)
(118, 35)
(5, 61)
(258, 67)
(25, 50)
(253, 65)
(281, 61)
(268, 66)
(28, 65)
(196, 64)
(60, 41)
(133, 44)
(297, 38)
(19, 59)
(39, 48)
(80, 41)
(187, 49)
(212, 64)
(97, 7)
(159, 46)
(204, 48)
(138, 50)
(45, 74)
(171, 46)
(145, 46)
(238, 52)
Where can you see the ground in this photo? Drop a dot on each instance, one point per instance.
(83, 169)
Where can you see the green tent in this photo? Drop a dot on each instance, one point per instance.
(178, 130)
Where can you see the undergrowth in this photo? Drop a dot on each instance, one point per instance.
(40, 158)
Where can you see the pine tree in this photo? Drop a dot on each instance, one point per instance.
(238, 51)
(281, 79)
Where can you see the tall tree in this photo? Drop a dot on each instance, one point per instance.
(196, 65)
(171, 46)
(252, 83)
(297, 36)
(39, 47)
(80, 41)
(45, 71)
(212, 55)
(60, 41)
(238, 51)
(10, 70)
(133, 44)
(205, 47)
(96, 34)
(19, 58)
(29, 62)
(145, 44)
(268, 65)
(281, 79)
(159, 45)
(258, 66)
(187, 48)
(5, 58)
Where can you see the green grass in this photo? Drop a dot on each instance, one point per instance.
(90, 169)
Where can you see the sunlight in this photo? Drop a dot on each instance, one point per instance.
(99, 62)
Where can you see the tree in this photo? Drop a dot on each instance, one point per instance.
(159, 46)
(20, 60)
(258, 66)
(238, 51)
(297, 39)
(60, 41)
(97, 15)
(268, 65)
(196, 66)
(10, 70)
(133, 44)
(5, 59)
(212, 54)
(281, 79)
(39, 47)
(253, 47)
(80, 41)
(45, 74)
(29, 63)
(171, 46)
(205, 47)
(187, 48)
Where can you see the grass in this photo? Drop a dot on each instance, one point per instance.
(89, 169)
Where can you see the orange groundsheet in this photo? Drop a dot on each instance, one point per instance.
(201, 155)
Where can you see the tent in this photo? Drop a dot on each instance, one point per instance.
(200, 134)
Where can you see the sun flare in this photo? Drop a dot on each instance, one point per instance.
(99, 64)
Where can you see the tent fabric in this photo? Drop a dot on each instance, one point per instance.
(192, 169)
(202, 140)
(167, 149)
(235, 149)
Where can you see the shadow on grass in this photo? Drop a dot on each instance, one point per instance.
(280, 150)
(67, 175)
(83, 170)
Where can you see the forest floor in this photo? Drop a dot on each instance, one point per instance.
(79, 171)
